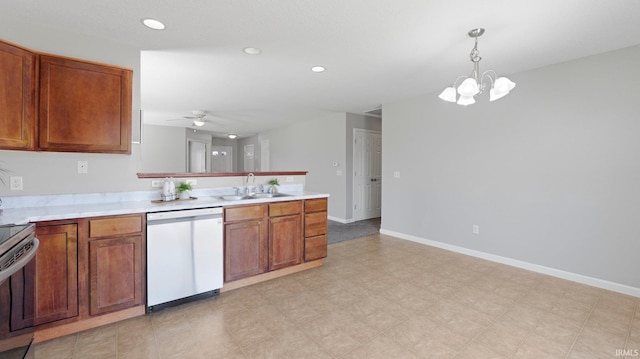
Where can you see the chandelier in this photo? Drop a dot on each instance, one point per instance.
(476, 83)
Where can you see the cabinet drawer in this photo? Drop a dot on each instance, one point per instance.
(315, 248)
(315, 224)
(243, 213)
(315, 205)
(285, 208)
(105, 227)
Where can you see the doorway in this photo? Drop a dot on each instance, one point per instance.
(249, 163)
(367, 174)
(197, 156)
(221, 159)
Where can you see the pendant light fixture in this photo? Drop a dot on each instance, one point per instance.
(476, 83)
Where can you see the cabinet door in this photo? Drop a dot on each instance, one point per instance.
(245, 249)
(17, 97)
(56, 273)
(285, 241)
(115, 274)
(22, 303)
(84, 107)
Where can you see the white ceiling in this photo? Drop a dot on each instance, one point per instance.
(375, 51)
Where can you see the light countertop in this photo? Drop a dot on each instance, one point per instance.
(20, 215)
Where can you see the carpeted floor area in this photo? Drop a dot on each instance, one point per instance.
(338, 232)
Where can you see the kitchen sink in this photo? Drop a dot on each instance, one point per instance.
(253, 196)
(235, 197)
(268, 195)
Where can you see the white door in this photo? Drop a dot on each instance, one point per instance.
(197, 157)
(264, 155)
(367, 174)
(249, 163)
(221, 159)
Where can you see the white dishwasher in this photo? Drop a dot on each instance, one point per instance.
(184, 256)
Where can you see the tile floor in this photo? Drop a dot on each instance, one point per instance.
(381, 297)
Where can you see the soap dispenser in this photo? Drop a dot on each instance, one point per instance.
(172, 189)
(166, 190)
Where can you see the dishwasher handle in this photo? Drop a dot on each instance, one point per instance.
(185, 213)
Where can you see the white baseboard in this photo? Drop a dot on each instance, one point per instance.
(341, 220)
(595, 282)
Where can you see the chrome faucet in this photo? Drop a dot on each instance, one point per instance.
(252, 177)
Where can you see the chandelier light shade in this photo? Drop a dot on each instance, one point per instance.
(477, 82)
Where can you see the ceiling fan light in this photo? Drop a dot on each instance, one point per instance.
(198, 122)
(466, 100)
(468, 87)
(449, 94)
(232, 136)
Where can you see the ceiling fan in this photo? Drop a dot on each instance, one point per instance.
(197, 117)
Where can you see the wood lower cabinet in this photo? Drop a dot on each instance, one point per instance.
(56, 273)
(286, 243)
(84, 107)
(84, 268)
(315, 229)
(17, 97)
(268, 237)
(19, 314)
(116, 263)
(245, 241)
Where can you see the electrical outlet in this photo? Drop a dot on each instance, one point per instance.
(15, 183)
(83, 167)
(396, 174)
(289, 179)
(339, 172)
(157, 183)
(475, 229)
(192, 182)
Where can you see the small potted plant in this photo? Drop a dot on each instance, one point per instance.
(273, 182)
(184, 190)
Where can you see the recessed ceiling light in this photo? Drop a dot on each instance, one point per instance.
(252, 51)
(153, 24)
(318, 69)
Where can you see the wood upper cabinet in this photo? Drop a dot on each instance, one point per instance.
(286, 243)
(116, 263)
(17, 97)
(315, 229)
(83, 107)
(56, 273)
(245, 241)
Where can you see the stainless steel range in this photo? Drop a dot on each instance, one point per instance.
(18, 246)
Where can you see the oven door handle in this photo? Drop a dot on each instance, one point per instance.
(21, 262)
